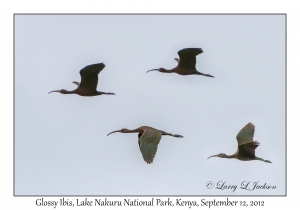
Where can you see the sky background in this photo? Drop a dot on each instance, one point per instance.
(61, 147)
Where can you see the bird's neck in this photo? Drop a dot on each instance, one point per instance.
(231, 156)
(138, 130)
(167, 71)
(68, 92)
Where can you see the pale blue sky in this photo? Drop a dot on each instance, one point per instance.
(61, 147)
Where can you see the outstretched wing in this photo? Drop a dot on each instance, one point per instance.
(89, 76)
(248, 150)
(188, 57)
(246, 134)
(148, 143)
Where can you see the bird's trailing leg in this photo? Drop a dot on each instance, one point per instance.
(206, 75)
(101, 93)
(267, 161)
(170, 134)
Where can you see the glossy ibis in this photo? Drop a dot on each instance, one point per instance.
(186, 63)
(246, 145)
(149, 138)
(89, 82)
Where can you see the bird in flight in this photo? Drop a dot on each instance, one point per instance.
(89, 82)
(186, 63)
(148, 139)
(246, 145)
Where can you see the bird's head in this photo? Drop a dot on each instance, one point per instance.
(159, 69)
(63, 91)
(221, 155)
(123, 130)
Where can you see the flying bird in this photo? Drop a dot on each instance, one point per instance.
(246, 145)
(89, 82)
(149, 139)
(186, 63)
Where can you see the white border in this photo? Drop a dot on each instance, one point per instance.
(8, 8)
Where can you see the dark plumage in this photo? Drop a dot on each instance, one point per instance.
(246, 145)
(186, 63)
(89, 82)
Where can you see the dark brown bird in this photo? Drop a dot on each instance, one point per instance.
(246, 145)
(149, 139)
(89, 82)
(186, 63)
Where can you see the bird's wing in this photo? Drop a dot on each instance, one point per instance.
(246, 134)
(89, 76)
(148, 142)
(248, 150)
(76, 83)
(188, 57)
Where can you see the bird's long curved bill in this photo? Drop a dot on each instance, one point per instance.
(54, 91)
(152, 70)
(114, 132)
(212, 156)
